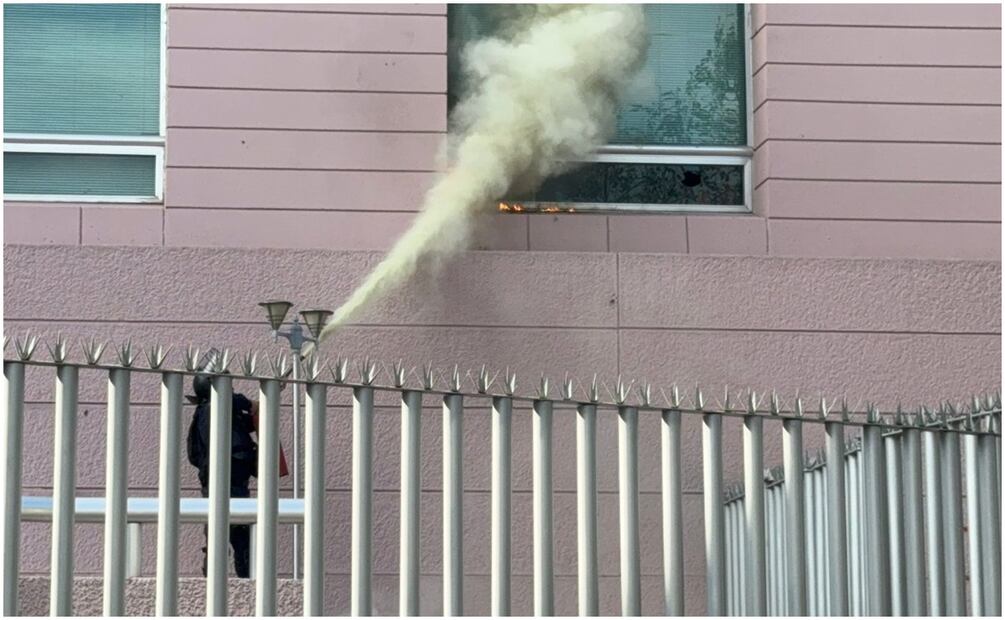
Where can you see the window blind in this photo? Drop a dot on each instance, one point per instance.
(82, 69)
(76, 174)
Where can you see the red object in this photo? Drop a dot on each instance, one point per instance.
(284, 469)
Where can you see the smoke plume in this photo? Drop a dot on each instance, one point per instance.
(539, 97)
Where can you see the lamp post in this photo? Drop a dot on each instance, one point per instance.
(315, 320)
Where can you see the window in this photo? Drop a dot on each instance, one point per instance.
(682, 141)
(83, 92)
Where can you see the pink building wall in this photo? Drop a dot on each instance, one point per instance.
(301, 139)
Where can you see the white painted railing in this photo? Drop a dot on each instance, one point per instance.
(856, 531)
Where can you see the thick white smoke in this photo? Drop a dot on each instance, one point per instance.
(537, 100)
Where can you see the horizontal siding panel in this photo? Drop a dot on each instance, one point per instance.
(424, 9)
(336, 32)
(279, 229)
(877, 46)
(863, 161)
(122, 225)
(726, 234)
(300, 110)
(307, 71)
(779, 120)
(916, 15)
(946, 85)
(235, 148)
(297, 189)
(688, 292)
(40, 224)
(486, 288)
(888, 201)
(886, 239)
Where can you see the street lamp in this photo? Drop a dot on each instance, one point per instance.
(276, 311)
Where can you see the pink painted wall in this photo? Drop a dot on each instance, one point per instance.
(300, 142)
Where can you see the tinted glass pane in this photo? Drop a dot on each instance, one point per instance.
(73, 174)
(661, 184)
(82, 69)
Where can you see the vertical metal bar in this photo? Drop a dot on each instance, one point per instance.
(990, 523)
(220, 425)
(168, 493)
(116, 470)
(854, 521)
(933, 524)
(952, 525)
(730, 560)
(544, 558)
(771, 574)
(453, 496)
(741, 549)
(812, 582)
(974, 546)
(13, 423)
(822, 536)
(715, 573)
(782, 549)
(914, 534)
(502, 440)
(753, 494)
(134, 549)
(895, 534)
(64, 491)
(586, 509)
(296, 459)
(792, 455)
(362, 501)
(268, 498)
(673, 519)
(314, 499)
(837, 539)
(411, 421)
(628, 504)
(877, 523)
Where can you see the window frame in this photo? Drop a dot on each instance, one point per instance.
(667, 154)
(102, 145)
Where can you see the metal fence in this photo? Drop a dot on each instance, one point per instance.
(883, 534)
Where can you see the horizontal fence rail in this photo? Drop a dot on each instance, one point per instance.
(852, 533)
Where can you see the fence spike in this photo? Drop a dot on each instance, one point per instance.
(620, 391)
(645, 393)
(594, 394)
(775, 406)
(156, 355)
(725, 404)
(800, 412)
(483, 383)
(455, 380)
(25, 347)
(249, 363)
(398, 373)
(191, 358)
(674, 399)
(542, 388)
(367, 371)
(221, 362)
(313, 366)
(340, 371)
(509, 382)
(824, 409)
(427, 376)
(126, 354)
(752, 402)
(6, 339)
(59, 349)
(699, 399)
(567, 388)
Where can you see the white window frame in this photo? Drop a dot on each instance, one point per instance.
(101, 145)
(685, 155)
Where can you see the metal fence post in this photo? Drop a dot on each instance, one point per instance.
(362, 501)
(974, 547)
(792, 455)
(169, 492)
(673, 520)
(268, 498)
(933, 523)
(586, 509)
(116, 476)
(628, 503)
(753, 495)
(877, 523)
(411, 420)
(220, 426)
(13, 422)
(715, 575)
(895, 535)
(914, 539)
(990, 523)
(952, 524)
(502, 438)
(64, 491)
(314, 500)
(544, 555)
(837, 537)
(453, 507)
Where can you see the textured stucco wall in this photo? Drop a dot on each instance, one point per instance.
(880, 330)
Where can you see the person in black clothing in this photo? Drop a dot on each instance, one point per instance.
(243, 463)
